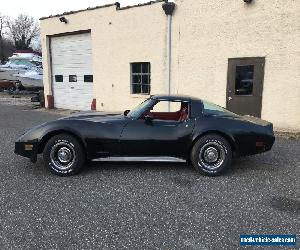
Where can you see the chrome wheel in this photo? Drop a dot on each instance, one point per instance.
(212, 155)
(63, 155)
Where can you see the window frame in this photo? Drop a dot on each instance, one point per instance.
(141, 74)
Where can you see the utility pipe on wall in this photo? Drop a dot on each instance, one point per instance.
(169, 51)
(169, 9)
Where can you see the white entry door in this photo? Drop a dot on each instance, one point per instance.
(72, 77)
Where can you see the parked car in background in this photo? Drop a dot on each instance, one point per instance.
(9, 85)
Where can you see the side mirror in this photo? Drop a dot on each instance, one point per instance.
(126, 112)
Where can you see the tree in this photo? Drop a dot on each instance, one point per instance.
(23, 30)
(2, 27)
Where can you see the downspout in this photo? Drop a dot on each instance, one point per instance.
(169, 8)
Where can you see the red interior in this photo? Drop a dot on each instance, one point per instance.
(180, 115)
(173, 116)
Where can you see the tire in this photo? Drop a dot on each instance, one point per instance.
(211, 155)
(64, 155)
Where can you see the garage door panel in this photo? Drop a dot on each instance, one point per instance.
(73, 43)
(80, 67)
(72, 102)
(71, 71)
(82, 86)
(76, 51)
(71, 60)
(70, 40)
(72, 55)
(83, 90)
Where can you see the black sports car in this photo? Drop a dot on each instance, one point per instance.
(181, 127)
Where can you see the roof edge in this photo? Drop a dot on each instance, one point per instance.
(117, 4)
(141, 4)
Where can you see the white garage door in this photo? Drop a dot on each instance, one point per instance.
(72, 77)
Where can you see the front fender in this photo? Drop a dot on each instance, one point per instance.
(37, 137)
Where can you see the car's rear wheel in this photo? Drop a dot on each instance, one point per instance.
(64, 155)
(211, 155)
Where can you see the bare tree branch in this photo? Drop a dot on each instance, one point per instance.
(22, 30)
(3, 20)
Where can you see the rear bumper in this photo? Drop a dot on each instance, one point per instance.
(269, 142)
(256, 144)
(26, 149)
(267, 145)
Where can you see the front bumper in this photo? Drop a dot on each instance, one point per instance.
(27, 149)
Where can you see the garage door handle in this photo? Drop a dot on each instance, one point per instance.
(72, 87)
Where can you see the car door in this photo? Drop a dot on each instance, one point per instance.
(156, 137)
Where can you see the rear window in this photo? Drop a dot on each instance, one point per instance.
(213, 109)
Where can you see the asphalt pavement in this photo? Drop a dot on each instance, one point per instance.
(142, 205)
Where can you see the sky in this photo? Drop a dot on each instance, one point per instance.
(41, 8)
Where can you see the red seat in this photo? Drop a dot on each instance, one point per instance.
(183, 114)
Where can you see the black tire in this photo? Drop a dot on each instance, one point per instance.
(64, 155)
(211, 155)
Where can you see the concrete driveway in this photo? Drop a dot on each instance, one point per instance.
(142, 205)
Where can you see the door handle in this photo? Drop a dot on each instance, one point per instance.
(229, 98)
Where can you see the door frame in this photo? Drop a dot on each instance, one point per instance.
(261, 62)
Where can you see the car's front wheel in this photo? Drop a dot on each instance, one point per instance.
(64, 155)
(211, 155)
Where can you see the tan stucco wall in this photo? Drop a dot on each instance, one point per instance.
(205, 35)
(210, 32)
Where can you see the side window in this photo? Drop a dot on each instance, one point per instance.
(244, 78)
(140, 78)
(179, 111)
(163, 106)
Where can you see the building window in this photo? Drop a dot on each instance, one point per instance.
(88, 78)
(72, 78)
(59, 78)
(244, 78)
(140, 78)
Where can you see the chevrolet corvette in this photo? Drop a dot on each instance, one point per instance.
(178, 127)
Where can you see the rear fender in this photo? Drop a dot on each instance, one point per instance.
(226, 136)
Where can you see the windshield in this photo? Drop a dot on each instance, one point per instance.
(140, 109)
(213, 109)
